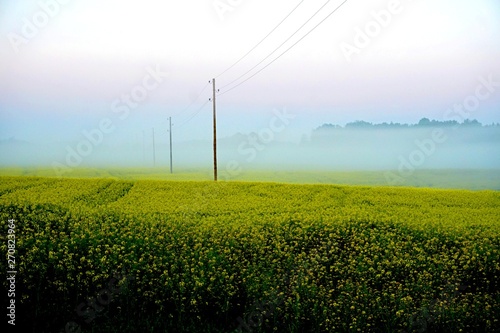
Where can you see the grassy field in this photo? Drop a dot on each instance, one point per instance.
(472, 179)
(106, 255)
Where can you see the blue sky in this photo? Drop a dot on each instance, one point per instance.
(67, 65)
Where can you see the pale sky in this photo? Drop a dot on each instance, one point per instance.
(67, 65)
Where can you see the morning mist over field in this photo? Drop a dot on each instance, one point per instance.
(87, 84)
(355, 146)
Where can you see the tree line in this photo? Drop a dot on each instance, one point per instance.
(424, 122)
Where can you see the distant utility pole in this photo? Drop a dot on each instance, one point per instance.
(154, 151)
(143, 147)
(215, 133)
(170, 131)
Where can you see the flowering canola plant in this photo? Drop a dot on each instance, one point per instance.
(259, 257)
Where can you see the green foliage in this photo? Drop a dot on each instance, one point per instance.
(473, 179)
(254, 257)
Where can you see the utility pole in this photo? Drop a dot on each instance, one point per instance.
(215, 133)
(143, 147)
(154, 151)
(170, 130)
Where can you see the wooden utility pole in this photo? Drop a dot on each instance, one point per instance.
(170, 131)
(154, 151)
(215, 133)
(143, 147)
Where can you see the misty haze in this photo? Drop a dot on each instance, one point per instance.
(355, 146)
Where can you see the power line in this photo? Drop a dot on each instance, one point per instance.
(276, 49)
(194, 114)
(260, 70)
(263, 39)
(194, 101)
(206, 85)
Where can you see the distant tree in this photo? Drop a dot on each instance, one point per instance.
(390, 125)
(471, 123)
(359, 124)
(424, 122)
(328, 127)
(450, 123)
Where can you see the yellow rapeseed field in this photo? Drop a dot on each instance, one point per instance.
(100, 255)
